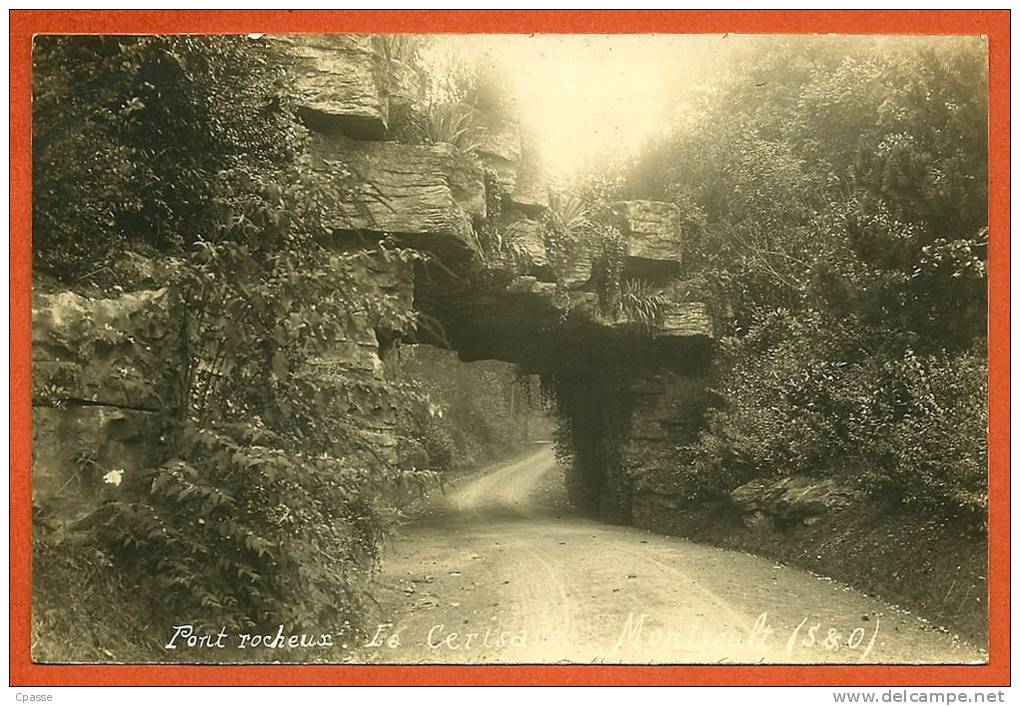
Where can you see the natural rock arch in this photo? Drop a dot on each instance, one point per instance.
(619, 384)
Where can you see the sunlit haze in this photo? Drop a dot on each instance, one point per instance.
(586, 97)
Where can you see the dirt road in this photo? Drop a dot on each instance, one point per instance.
(499, 570)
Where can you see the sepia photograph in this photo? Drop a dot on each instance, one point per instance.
(509, 349)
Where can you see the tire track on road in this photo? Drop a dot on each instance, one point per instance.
(571, 585)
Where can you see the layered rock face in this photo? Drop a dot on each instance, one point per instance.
(428, 196)
(107, 374)
(436, 198)
(527, 237)
(341, 85)
(500, 149)
(652, 232)
(360, 350)
(531, 190)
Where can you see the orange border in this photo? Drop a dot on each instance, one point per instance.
(993, 23)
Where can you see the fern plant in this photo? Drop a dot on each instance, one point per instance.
(568, 214)
(455, 124)
(643, 303)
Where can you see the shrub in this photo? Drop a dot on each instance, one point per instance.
(131, 136)
(236, 529)
(805, 395)
(938, 445)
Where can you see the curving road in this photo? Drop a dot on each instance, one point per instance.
(498, 569)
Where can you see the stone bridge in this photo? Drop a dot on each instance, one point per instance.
(625, 383)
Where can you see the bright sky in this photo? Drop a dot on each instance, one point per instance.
(584, 96)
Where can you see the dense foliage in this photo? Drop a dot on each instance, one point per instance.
(470, 414)
(136, 139)
(265, 508)
(834, 196)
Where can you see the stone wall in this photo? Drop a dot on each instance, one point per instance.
(669, 410)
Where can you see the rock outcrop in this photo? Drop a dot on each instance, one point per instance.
(771, 503)
(358, 354)
(341, 85)
(574, 269)
(103, 351)
(102, 370)
(652, 232)
(105, 370)
(427, 196)
(402, 85)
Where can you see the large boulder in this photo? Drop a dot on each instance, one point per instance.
(338, 82)
(768, 503)
(652, 232)
(427, 196)
(117, 351)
